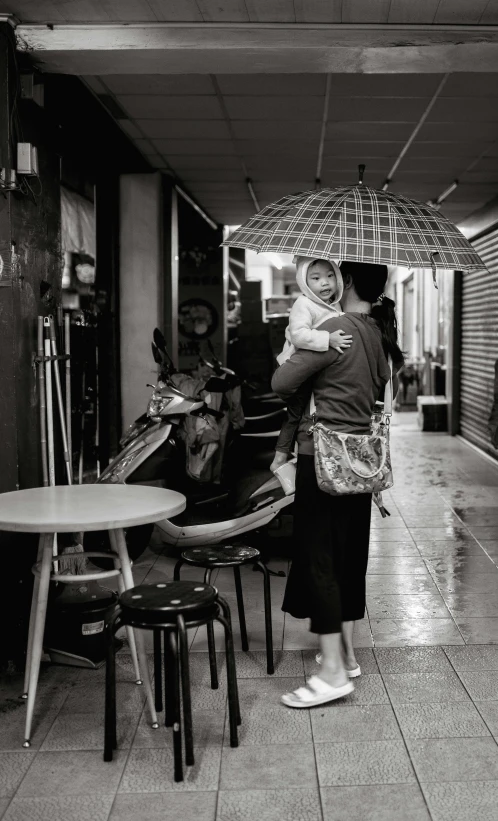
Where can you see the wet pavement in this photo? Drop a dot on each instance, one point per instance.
(416, 741)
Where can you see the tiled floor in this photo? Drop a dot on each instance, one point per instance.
(416, 741)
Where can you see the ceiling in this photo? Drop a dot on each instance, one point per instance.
(215, 131)
(473, 12)
(226, 122)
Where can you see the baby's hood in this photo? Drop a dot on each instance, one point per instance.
(302, 265)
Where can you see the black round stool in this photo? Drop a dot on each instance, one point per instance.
(211, 556)
(171, 608)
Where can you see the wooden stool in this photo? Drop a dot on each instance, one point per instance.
(171, 608)
(212, 556)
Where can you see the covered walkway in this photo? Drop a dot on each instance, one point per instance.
(416, 741)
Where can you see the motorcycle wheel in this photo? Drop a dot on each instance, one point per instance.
(137, 540)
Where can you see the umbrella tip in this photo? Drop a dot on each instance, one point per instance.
(361, 171)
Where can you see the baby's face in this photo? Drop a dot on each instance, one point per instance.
(321, 280)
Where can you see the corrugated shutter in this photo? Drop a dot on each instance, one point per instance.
(479, 344)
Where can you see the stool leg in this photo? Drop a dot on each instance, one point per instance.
(32, 617)
(186, 696)
(118, 543)
(176, 571)
(240, 606)
(169, 691)
(158, 673)
(270, 668)
(231, 681)
(110, 738)
(177, 728)
(38, 630)
(211, 642)
(228, 617)
(130, 635)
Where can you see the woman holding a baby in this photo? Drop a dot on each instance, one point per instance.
(342, 330)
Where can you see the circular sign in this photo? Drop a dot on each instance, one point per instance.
(197, 318)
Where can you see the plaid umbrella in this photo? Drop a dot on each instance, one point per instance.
(360, 224)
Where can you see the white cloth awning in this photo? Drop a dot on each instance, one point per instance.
(77, 223)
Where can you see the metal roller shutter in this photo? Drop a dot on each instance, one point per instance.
(479, 344)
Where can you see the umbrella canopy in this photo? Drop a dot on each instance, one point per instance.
(360, 224)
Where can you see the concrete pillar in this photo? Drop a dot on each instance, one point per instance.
(140, 288)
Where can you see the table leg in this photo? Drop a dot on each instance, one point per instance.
(38, 631)
(118, 542)
(131, 638)
(32, 616)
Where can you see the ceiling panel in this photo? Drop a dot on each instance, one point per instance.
(430, 148)
(159, 84)
(384, 85)
(413, 11)
(274, 108)
(176, 10)
(457, 132)
(471, 85)
(460, 11)
(464, 109)
(490, 14)
(369, 131)
(275, 130)
(273, 84)
(196, 164)
(387, 109)
(189, 129)
(362, 149)
(318, 11)
(199, 147)
(218, 11)
(214, 174)
(365, 11)
(148, 106)
(248, 148)
(271, 11)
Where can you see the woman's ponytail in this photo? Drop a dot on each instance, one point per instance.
(385, 315)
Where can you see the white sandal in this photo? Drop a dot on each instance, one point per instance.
(316, 691)
(354, 673)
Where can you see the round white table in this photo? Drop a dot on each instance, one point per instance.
(76, 508)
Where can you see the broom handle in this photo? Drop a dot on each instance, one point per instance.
(60, 401)
(82, 431)
(67, 351)
(50, 418)
(42, 400)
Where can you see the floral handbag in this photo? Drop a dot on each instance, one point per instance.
(349, 463)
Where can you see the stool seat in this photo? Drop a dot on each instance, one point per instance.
(223, 555)
(168, 598)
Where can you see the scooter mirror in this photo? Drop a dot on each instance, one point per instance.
(159, 340)
(157, 356)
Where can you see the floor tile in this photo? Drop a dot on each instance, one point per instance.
(364, 656)
(368, 689)
(151, 770)
(397, 584)
(411, 659)
(60, 808)
(130, 698)
(83, 731)
(253, 664)
(478, 630)
(369, 722)
(489, 712)
(269, 805)
(485, 533)
(4, 803)
(466, 801)
(12, 722)
(398, 549)
(72, 773)
(454, 759)
(400, 534)
(438, 548)
(363, 762)
(257, 692)
(272, 725)
(13, 768)
(397, 566)
(375, 802)
(472, 605)
(426, 534)
(428, 687)
(473, 657)
(449, 720)
(490, 546)
(165, 807)
(208, 728)
(461, 566)
(482, 583)
(482, 686)
(415, 632)
(268, 767)
(389, 606)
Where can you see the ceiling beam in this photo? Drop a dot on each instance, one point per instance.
(211, 48)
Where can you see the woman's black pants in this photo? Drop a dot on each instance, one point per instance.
(326, 582)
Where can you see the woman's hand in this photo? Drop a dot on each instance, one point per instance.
(339, 341)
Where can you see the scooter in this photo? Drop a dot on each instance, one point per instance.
(154, 453)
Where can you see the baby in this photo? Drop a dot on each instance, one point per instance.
(320, 283)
